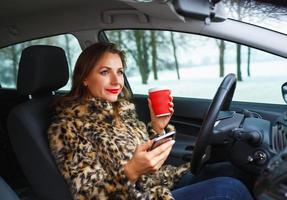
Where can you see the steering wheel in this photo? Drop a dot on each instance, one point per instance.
(221, 101)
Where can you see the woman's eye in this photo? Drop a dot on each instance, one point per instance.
(105, 72)
(121, 72)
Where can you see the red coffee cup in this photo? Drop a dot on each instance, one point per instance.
(160, 98)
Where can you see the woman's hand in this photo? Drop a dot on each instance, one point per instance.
(159, 123)
(144, 161)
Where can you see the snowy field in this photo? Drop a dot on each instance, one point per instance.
(263, 86)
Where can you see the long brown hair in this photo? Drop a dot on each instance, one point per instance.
(84, 65)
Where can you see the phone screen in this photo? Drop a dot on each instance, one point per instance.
(162, 139)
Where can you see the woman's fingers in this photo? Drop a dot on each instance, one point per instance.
(162, 148)
(159, 160)
(150, 107)
(145, 146)
(171, 110)
(149, 104)
(144, 161)
(160, 154)
(171, 105)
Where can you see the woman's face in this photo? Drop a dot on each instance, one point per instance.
(106, 79)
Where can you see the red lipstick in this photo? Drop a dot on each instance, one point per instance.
(113, 91)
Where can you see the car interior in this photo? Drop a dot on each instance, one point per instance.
(29, 121)
(220, 136)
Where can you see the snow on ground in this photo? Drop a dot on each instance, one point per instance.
(264, 85)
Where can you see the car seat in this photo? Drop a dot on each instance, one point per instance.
(42, 70)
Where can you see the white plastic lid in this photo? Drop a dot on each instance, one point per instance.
(154, 89)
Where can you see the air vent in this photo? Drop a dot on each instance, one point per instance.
(279, 137)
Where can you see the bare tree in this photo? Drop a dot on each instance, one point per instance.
(174, 54)
(248, 61)
(221, 46)
(120, 39)
(10, 60)
(137, 44)
(15, 61)
(240, 10)
(154, 54)
(238, 62)
(68, 52)
(245, 10)
(142, 54)
(169, 41)
(238, 52)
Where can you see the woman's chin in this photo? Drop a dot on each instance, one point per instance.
(113, 98)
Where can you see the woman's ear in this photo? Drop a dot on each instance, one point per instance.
(85, 83)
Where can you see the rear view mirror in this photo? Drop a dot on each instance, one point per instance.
(284, 91)
(205, 10)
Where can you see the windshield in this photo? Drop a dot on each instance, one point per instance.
(259, 13)
(193, 65)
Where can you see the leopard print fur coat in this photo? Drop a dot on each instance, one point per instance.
(91, 149)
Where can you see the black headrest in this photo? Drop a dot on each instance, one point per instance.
(42, 69)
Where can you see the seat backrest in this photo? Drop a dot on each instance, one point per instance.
(42, 70)
(6, 193)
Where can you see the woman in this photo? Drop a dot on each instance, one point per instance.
(100, 146)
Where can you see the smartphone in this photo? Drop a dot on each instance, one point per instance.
(162, 139)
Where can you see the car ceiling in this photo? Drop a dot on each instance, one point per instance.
(22, 20)
(30, 19)
(22, 8)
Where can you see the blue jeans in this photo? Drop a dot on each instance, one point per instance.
(223, 188)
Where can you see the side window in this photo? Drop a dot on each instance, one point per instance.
(10, 57)
(194, 65)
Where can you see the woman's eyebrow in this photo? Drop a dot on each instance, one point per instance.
(102, 67)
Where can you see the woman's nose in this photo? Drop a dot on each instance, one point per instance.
(114, 78)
